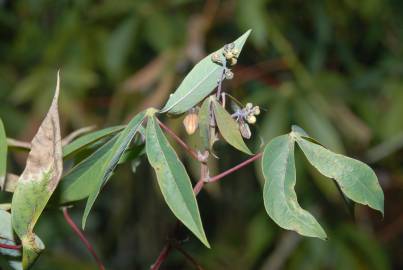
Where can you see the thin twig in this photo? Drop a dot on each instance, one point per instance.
(179, 140)
(13, 247)
(78, 232)
(18, 144)
(162, 257)
(235, 168)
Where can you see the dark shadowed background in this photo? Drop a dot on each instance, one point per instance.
(333, 67)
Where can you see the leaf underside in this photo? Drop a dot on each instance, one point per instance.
(173, 180)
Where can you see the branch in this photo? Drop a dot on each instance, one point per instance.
(78, 232)
(188, 256)
(192, 152)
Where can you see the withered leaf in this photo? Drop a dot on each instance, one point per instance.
(39, 179)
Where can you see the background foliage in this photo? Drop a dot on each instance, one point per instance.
(332, 67)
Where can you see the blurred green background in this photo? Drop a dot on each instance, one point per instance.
(333, 67)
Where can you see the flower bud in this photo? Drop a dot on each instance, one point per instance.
(248, 106)
(191, 122)
(251, 119)
(256, 110)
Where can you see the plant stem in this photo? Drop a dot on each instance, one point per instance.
(235, 168)
(5, 246)
(162, 257)
(192, 152)
(188, 256)
(82, 237)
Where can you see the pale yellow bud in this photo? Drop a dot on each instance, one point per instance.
(191, 122)
(256, 110)
(251, 119)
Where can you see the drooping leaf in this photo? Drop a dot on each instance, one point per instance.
(229, 128)
(38, 181)
(119, 147)
(173, 180)
(7, 237)
(356, 179)
(88, 139)
(3, 155)
(199, 83)
(280, 199)
(78, 183)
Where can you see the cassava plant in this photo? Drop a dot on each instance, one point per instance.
(211, 114)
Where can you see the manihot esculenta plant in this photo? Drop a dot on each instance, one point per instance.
(212, 115)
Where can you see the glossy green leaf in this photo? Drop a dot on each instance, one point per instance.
(199, 83)
(88, 139)
(229, 128)
(280, 199)
(13, 257)
(111, 161)
(38, 181)
(173, 180)
(356, 179)
(3, 155)
(79, 181)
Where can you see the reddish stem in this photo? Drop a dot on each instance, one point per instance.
(179, 140)
(162, 257)
(78, 232)
(235, 168)
(10, 246)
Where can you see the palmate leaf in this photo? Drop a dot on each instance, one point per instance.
(229, 128)
(111, 161)
(356, 179)
(3, 155)
(38, 181)
(199, 83)
(173, 180)
(280, 199)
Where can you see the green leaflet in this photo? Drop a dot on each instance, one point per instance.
(173, 180)
(204, 124)
(3, 155)
(356, 179)
(79, 182)
(37, 182)
(200, 81)
(229, 128)
(115, 153)
(7, 237)
(280, 199)
(88, 139)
